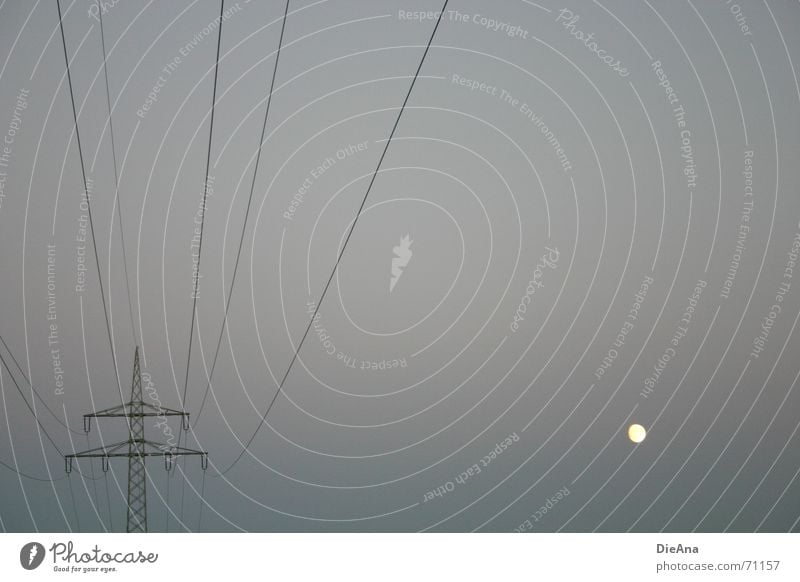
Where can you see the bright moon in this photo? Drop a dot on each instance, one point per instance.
(636, 433)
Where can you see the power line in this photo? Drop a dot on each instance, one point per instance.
(31, 477)
(202, 503)
(108, 502)
(49, 438)
(96, 503)
(196, 268)
(21, 371)
(89, 212)
(39, 396)
(20, 473)
(74, 506)
(44, 403)
(88, 202)
(116, 176)
(136, 340)
(28, 405)
(246, 215)
(43, 479)
(241, 242)
(344, 246)
(196, 273)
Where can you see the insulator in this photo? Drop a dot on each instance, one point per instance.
(105, 464)
(204, 462)
(186, 421)
(87, 424)
(68, 464)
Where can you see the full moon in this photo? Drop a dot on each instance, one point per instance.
(636, 432)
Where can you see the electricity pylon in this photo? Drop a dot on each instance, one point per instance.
(136, 448)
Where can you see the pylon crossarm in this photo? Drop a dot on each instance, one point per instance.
(183, 451)
(169, 452)
(173, 450)
(130, 409)
(144, 454)
(113, 411)
(150, 449)
(104, 451)
(100, 452)
(161, 411)
(134, 410)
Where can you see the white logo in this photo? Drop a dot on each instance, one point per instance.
(400, 261)
(32, 554)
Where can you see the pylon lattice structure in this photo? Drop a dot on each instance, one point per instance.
(136, 448)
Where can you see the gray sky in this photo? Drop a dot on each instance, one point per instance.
(601, 207)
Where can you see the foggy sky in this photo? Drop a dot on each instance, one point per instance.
(593, 243)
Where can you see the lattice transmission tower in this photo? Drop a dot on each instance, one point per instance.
(136, 448)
